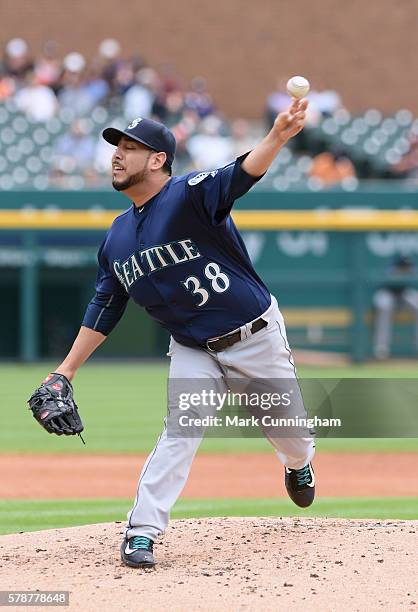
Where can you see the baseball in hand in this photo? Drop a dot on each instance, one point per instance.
(298, 87)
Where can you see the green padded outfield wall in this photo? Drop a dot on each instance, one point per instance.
(373, 194)
(324, 280)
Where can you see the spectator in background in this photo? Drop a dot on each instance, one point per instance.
(117, 72)
(124, 78)
(108, 60)
(96, 87)
(169, 97)
(327, 101)
(277, 102)
(75, 94)
(75, 152)
(182, 132)
(242, 140)
(169, 79)
(332, 167)
(17, 61)
(48, 66)
(398, 293)
(209, 148)
(198, 98)
(7, 85)
(140, 98)
(174, 108)
(38, 102)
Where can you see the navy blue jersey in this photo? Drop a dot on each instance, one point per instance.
(181, 257)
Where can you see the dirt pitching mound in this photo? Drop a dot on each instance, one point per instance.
(224, 564)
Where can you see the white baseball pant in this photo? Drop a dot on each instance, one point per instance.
(263, 355)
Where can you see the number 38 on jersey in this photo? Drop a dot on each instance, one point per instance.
(219, 282)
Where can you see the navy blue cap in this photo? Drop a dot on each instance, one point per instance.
(147, 131)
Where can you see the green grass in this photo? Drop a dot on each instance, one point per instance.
(19, 515)
(123, 405)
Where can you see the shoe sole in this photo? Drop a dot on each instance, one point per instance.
(301, 503)
(138, 565)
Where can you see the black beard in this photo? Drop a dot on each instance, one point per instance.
(130, 181)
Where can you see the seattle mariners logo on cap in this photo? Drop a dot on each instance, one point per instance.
(150, 133)
(134, 123)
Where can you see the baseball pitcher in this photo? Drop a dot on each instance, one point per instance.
(177, 253)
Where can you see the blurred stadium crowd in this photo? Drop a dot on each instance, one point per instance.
(53, 108)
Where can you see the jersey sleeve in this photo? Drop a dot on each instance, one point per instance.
(109, 303)
(106, 280)
(215, 192)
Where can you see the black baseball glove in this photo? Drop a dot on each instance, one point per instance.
(53, 406)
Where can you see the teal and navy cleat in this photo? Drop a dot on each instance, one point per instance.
(137, 552)
(300, 485)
